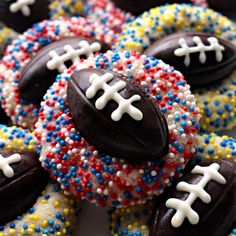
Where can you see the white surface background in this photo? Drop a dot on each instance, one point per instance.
(93, 221)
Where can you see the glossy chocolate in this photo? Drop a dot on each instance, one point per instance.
(197, 74)
(19, 193)
(18, 21)
(36, 78)
(127, 138)
(139, 6)
(216, 217)
(226, 7)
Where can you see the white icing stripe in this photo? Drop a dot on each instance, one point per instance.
(58, 62)
(5, 164)
(21, 5)
(183, 208)
(111, 93)
(185, 50)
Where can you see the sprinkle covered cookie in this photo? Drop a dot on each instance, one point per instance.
(29, 205)
(28, 12)
(102, 147)
(206, 216)
(33, 60)
(201, 44)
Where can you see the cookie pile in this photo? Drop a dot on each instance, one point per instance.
(121, 104)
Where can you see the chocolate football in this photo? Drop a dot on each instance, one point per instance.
(202, 58)
(117, 115)
(203, 203)
(139, 6)
(22, 179)
(21, 15)
(40, 73)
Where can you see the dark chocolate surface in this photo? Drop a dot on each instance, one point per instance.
(36, 78)
(127, 138)
(19, 22)
(197, 74)
(139, 6)
(216, 217)
(19, 193)
(226, 7)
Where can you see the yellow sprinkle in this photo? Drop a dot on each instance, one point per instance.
(219, 152)
(44, 223)
(12, 231)
(130, 227)
(144, 227)
(34, 217)
(56, 204)
(30, 147)
(32, 226)
(67, 223)
(66, 211)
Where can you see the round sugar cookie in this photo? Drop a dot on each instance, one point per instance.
(30, 203)
(138, 219)
(146, 148)
(33, 60)
(172, 24)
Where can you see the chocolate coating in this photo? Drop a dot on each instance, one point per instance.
(19, 193)
(36, 78)
(127, 138)
(216, 218)
(197, 74)
(139, 6)
(19, 22)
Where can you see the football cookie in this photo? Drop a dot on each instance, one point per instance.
(201, 202)
(30, 205)
(28, 12)
(33, 60)
(201, 44)
(118, 130)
